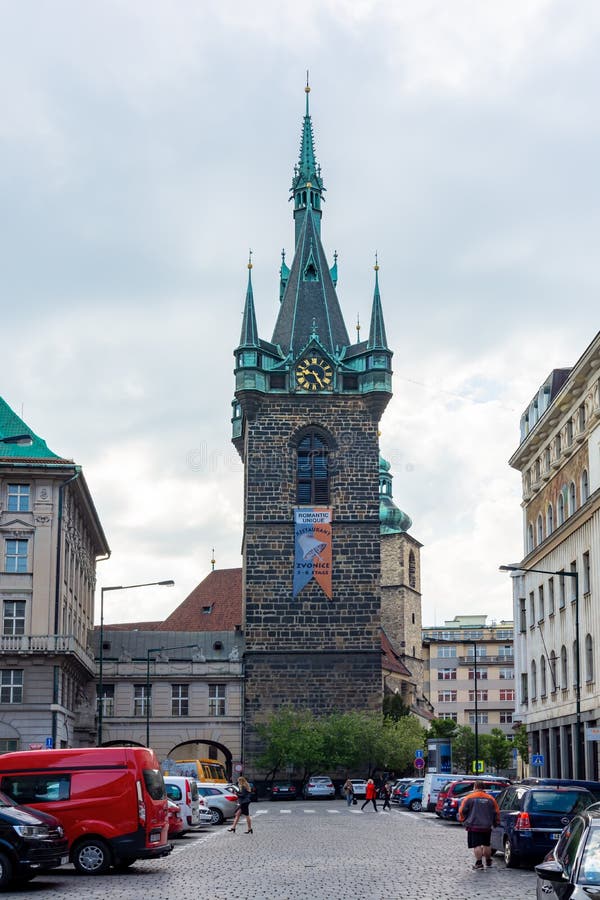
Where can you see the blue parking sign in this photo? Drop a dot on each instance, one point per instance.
(419, 754)
(49, 743)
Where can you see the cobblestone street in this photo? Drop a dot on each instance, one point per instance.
(308, 850)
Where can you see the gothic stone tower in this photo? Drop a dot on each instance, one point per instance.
(305, 422)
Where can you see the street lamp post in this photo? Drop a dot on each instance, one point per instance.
(149, 651)
(579, 755)
(114, 587)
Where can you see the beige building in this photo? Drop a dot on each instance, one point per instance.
(556, 609)
(457, 652)
(51, 538)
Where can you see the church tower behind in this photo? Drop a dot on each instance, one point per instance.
(305, 422)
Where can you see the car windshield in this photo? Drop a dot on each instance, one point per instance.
(590, 862)
(559, 802)
(155, 784)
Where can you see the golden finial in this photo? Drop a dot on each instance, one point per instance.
(307, 88)
(376, 266)
(378, 433)
(249, 259)
(357, 326)
(213, 560)
(309, 184)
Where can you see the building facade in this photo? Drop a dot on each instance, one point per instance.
(469, 672)
(556, 609)
(305, 422)
(51, 538)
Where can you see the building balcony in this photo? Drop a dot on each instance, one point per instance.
(483, 661)
(47, 645)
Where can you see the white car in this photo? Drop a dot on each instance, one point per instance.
(319, 786)
(205, 816)
(359, 787)
(184, 792)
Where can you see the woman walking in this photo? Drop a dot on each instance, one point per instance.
(386, 793)
(243, 806)
(348, 790)
(371, 795)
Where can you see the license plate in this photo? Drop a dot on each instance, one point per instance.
(64, 860)
(555, 835)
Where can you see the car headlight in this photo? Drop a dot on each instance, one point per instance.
(32, 831)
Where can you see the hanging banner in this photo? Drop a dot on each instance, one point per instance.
(312, 548)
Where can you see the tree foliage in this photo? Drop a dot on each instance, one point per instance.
(495, 749)
(521, 743)
(394, 707)
(366, 742)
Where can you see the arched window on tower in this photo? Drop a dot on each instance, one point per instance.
(549, 519)
(412, 570)
(540, 529)
(585, 486)
(561, 509)
(312, 472)
(572, 498)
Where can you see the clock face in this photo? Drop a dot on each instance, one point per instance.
(314, 374)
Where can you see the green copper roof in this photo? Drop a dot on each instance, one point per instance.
(307, 170)
(377, 337)
(392, 520)
(249, 336)
(10, 426)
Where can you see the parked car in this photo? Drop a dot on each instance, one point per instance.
(221, 801)
(412, 795)
(592, 786)
(456, 791)
(31, 843)
(319, 787)
(532, 818)
(184, 792)
(359, 787)
(176, 824)
(432, 784)
(283, 790)
(205, 816)
(111, 801)
(572, 868)
(398, 787)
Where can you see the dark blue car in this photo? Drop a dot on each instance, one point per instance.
(532, 818)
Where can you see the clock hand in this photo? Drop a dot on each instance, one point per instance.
(317, 378)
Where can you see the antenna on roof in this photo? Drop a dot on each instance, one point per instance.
(213, 560)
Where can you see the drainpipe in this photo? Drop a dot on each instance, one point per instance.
(61, 488)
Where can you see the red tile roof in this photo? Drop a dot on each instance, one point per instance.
(214, 605)
(391, 661)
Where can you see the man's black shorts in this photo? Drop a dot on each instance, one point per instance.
(479, 838)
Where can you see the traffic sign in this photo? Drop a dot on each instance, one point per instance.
(478, 766)
(49, 743)
(537, 759)
(419, 762)
(419, 754)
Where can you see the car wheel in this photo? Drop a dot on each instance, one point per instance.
(510, 857)
(415, 805)
(6, 871)
(216, 816)
(91, 857)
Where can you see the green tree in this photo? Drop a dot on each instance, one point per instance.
(442, 728)
(394, 707)
(463, 748)
(404, 736)
(495, 749)
(521, 743)
(293, 738)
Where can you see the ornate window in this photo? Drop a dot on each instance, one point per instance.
(564, 668)
(543, 686)
(561, 509)
(585, 486)
(549, 519)
(540, 529)
(312, 474)
(572, 498)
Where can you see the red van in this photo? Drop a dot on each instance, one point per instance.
(111, 801)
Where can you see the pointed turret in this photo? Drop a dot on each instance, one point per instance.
(249, 336)
(377, 338)
(307, 185)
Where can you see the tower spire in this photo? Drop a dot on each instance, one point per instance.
(249, 336)
(307, 185)
(377, 336)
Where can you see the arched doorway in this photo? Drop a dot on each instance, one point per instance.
(203, 749)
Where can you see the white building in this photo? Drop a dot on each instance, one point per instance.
(557, 619)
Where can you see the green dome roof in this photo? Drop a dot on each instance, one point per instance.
(392, 520)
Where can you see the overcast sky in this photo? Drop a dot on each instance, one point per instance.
(145, 146)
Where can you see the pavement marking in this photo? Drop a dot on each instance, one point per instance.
(261, 812)
(310, 812)
(285, 812)
(333, 812)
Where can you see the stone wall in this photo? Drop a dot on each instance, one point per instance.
(303, 650)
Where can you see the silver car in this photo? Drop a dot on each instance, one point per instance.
(205, 816)
(221, 801)
(319, 787)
